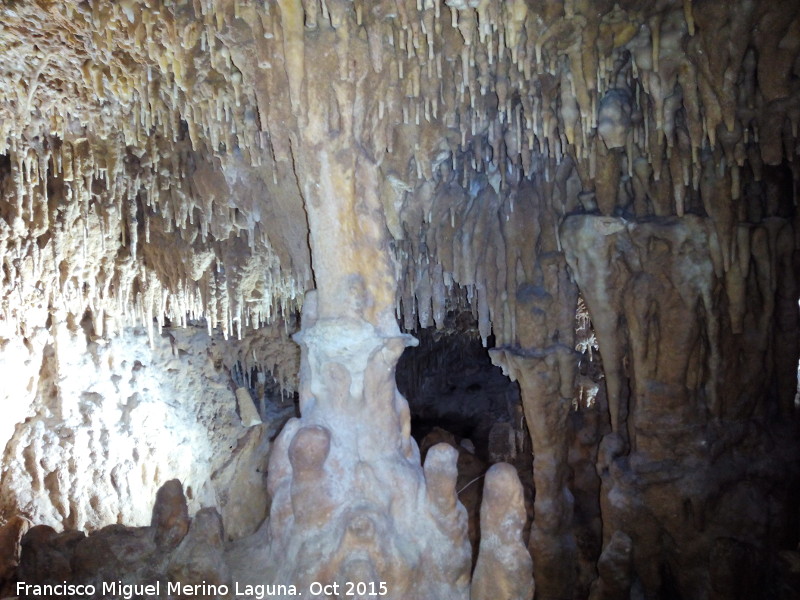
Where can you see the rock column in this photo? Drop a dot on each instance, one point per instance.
(543, 362)
(350, 499)
(546, 405)
(700, 345)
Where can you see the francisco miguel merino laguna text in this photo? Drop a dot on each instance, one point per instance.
(127, 591)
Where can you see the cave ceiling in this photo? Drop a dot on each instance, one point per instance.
(151, 150)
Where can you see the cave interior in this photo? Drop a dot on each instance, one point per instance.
(414, 299)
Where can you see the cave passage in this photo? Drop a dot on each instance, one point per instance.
(450, 383)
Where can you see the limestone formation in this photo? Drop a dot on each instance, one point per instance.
(607, 190)
(680, 407)
(504, 566)
(199, 558)
(376, 518)
(170, 515)
(614, 569)
(118, 561)
(98, 439)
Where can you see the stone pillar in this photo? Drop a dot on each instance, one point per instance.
(542, 359)
(351, 501)
(546, 381)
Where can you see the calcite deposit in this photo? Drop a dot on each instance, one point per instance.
(607, 189)
(504, 566)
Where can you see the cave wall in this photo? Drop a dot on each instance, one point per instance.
(108, 422)
(696, 395)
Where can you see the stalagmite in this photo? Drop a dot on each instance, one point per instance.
(504, 566)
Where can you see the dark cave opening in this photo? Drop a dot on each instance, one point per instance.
(458, 397)
(451, 384)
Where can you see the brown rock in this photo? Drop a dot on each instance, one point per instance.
(170, 515)
(200, 558)
(502, 443)
(46, 555)
(545, 379)
(115, 553)
(11, 534)
(732, 570)
(614, 567)
(788, 580)
(437, 435)
(241, 484)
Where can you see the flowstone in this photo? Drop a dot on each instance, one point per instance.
(350, 499)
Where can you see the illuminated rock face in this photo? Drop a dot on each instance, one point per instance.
(108, 424)
(221, 159)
